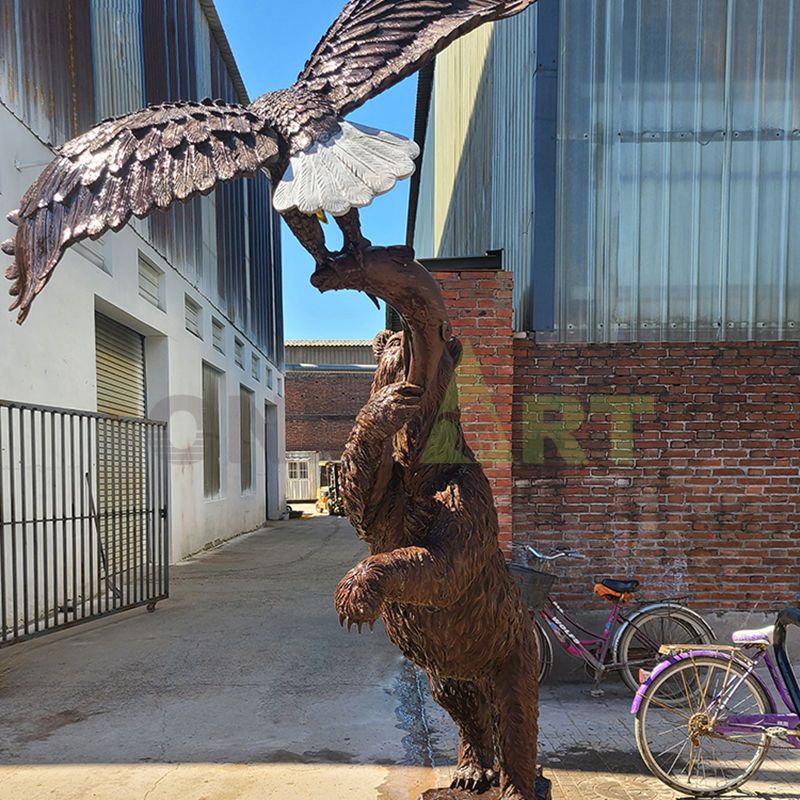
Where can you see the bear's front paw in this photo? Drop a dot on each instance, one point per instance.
(360, 595)
(393, 406)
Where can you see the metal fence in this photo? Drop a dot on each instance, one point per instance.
(83, 517)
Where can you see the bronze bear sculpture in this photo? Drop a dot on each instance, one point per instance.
(435, 575)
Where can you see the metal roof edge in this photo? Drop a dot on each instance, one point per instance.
(422, 114)
(214, 22)
(493, 261)
(328, 343)
(331, 368)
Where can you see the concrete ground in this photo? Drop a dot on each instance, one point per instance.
(244, 687)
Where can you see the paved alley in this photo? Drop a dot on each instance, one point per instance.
(244, 687)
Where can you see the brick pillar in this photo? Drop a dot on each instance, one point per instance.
(479, 302)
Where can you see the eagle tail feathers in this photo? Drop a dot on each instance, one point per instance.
(347, 170)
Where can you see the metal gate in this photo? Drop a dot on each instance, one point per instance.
(83, 517)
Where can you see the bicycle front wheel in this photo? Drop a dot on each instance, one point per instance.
(545, 650)
(643, 636)
(679, 729)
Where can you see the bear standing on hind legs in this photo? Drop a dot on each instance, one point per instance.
(435, 574)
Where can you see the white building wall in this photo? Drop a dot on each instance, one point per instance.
(51, 361)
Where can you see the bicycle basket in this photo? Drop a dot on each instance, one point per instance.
(534, 585)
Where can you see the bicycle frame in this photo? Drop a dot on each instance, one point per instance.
(594, 650)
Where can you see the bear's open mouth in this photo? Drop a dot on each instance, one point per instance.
(393, 275)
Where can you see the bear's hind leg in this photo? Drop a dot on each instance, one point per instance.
(516, 695)
(470, 709)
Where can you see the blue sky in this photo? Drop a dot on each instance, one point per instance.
(272, 39)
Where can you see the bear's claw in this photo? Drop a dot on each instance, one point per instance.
(473, 778)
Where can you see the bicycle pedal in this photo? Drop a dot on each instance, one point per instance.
(597, 692)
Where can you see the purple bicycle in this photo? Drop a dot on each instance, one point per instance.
(705, 718)
(630, 639)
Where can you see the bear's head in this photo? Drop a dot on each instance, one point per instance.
(438, 411)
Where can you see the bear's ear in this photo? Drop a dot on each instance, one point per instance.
(379, 342)
(456, 349)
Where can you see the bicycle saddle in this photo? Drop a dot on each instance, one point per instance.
(621, 587)
(762, 636)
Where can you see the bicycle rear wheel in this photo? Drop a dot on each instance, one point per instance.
(642, 637)
(678, 726)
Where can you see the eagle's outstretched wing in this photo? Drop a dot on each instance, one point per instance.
(129, 166)
(376, 43)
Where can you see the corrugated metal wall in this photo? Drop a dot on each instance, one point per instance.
(118, 58)
(341, 353)
(60, 73)
(679, 164)
(45, 77)
(170, 71)
(514, 64)
(678, 167)
(423, 233)
(455, 164)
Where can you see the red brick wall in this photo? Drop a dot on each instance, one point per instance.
(706, 499)
(321, 408)
(480, 311)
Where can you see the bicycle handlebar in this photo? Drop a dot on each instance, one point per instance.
(789, 616)
(558, 554)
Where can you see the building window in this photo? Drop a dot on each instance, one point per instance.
(246, 407)
(269, 378)
(280, 387)
(93, 253)
(238, 352)
(194, 317)
(255, 367)
(151, 283)
(212, 431)
(218, 335)
(298, 470)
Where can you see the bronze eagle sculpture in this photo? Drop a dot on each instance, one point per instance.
(317, 162)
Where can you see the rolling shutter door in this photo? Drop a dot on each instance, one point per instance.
(121, 457)
(120, 369)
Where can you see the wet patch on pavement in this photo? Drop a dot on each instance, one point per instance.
(425, 744)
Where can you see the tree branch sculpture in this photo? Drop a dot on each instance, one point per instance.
(435, 574)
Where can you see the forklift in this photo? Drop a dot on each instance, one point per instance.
(330, 490)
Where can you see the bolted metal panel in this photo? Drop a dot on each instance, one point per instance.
(679, 170)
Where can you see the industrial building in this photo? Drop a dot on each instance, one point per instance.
(327, 383)
(142, 415)
(632, 170)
